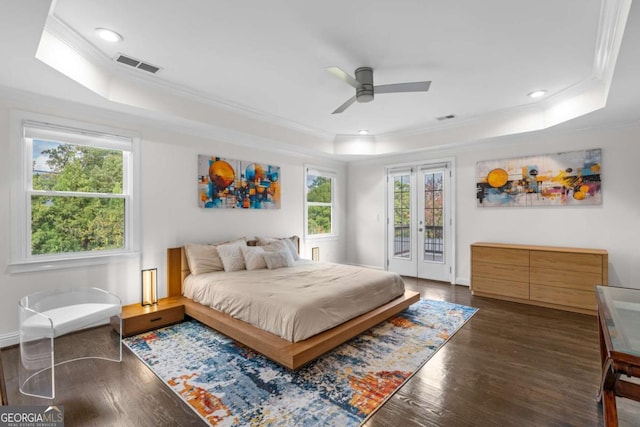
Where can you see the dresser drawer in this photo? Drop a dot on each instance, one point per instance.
(560, 277)
(154, 320)
(563, 296)
(500, 255)
(500, 287)
(575, 262)
(581, 280)
(500, 271)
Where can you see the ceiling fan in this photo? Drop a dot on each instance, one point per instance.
(363, 82)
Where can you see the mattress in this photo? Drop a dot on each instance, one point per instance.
(298, 302)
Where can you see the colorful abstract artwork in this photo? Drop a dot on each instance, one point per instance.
(560, 179)
(230, 385)
(226, 183)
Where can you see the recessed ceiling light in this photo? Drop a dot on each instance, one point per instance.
(537, 94)
(363, 132)
(108, 35)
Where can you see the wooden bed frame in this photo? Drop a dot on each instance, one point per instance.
(288, 354)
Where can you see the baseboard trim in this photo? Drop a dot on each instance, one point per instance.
(463, 281)
(12, 338)
(373, 267)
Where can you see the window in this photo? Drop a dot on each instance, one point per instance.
(320, 203)
(74, 197)
(402, 216)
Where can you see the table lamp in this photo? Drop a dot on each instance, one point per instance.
(149, 286)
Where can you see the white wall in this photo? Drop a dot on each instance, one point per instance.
(614, 226)
(170, 214)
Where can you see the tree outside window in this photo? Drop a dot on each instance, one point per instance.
(77, 200)
(320, 203)
(75, 193)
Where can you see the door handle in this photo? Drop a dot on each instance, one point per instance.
(420, 230)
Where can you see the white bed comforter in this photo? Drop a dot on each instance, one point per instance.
(298, 302)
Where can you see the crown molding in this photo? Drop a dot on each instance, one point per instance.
(612, 22)
(134, 119)
(593, 89)
(61, 30)
(613, 18)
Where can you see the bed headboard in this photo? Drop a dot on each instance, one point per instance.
(178, 268)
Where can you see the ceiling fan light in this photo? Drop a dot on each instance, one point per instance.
(108, 35)
(537, 94)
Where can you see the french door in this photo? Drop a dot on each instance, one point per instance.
(420, 231)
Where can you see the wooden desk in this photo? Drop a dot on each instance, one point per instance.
(619, 330)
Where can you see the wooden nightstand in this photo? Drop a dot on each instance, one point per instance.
(137, 319)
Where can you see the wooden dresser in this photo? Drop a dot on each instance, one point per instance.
(548, 276)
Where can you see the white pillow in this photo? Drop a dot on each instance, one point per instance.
(202, 258)
(276, 245)
(253, 257)
(291, 243)
(264, 241)
(231, 256)
(278, 259)
(292, 249)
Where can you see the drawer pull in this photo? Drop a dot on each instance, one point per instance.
(155, 319)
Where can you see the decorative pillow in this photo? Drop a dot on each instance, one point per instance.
(253, 257)
(202, 258)
(276, 245)
(264, 241)
(231, 256)
(278, 259)
(290, 242)
(241, 241)
(292, 248)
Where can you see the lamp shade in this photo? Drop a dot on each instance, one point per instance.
(149, 286)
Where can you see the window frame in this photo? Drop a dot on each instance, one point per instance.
(77, 133)
(326, 173)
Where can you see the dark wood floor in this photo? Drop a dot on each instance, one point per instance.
(511, 365)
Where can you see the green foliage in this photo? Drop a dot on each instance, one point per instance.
(401, 202)
(66, 223)
(319, 190)
(82, 169)
(319, 220)
(319, 217)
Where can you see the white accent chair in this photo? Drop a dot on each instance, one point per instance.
(46, 315)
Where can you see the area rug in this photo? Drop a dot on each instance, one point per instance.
(230, 385)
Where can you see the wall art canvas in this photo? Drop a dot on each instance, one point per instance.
(559, 179)
(227, 184)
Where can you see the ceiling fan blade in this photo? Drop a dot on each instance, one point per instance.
(402, 87)
(344, 76)
(346, 105)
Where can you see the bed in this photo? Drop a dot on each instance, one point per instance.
(310, 328)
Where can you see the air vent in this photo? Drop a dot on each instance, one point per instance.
(447, 117)
(136, 63)
(148, 67)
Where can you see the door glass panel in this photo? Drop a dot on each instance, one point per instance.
(402, 216)
(433, 216)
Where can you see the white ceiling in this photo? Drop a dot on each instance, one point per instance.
(267, 60)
